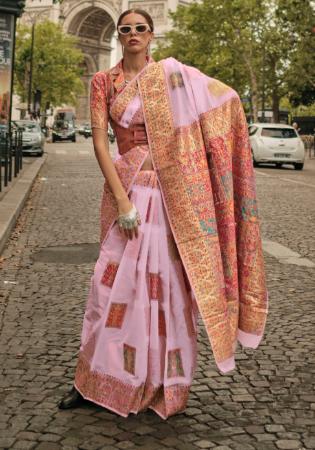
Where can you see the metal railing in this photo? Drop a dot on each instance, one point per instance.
(10, 156)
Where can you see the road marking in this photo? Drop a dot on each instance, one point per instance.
(60, 152)
(263, 174)
(285, 179)
(285, 255)
(298, 182)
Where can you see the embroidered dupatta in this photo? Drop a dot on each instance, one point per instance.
(199, 145)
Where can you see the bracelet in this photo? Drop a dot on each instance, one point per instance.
(129, 220)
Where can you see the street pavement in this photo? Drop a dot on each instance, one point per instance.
(267, 403)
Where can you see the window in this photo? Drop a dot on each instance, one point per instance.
(252, 130)
(279, 133)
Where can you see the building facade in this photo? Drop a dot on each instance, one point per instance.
(93, 22)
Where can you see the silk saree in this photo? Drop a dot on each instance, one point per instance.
(199, 146)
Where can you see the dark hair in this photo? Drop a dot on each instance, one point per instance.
(142, 13)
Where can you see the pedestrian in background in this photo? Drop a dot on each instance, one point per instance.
(180, 232)
(296, 127)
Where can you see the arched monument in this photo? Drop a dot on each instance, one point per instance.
(93, 22)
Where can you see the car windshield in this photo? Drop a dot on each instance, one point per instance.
(30, 127)
(63, 125)
(279, 133)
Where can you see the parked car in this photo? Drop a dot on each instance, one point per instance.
(33, 139)
(276, 143)
(86, 130)
(63, 131)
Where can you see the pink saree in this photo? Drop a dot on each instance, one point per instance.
(138, 345)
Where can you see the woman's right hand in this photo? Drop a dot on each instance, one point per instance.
(124, 207)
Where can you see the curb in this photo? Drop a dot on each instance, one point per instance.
(12, 203)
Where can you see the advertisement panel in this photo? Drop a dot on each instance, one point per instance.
(6, 54)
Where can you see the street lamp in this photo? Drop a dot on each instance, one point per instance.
(31, 70)
(33, 16)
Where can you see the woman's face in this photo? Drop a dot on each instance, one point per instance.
(135, 42)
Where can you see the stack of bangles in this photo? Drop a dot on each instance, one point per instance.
(130, 220)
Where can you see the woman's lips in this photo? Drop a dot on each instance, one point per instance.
(133, 42)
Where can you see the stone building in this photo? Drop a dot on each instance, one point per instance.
(93, 21)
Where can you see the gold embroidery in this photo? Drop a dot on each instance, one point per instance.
(129, 359)
(176, 80)
(124, 398)
(121, 102)
(155, 286)
(174, 364)
(217, 88)
(162, 323)
(116, 315)
(109, 275)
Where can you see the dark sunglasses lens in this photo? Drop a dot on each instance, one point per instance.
(141, 28)
(125, 30)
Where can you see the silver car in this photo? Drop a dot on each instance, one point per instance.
(33, 139)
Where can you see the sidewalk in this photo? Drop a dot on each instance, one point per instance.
(14, 198)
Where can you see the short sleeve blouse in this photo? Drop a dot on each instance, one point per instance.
(99, 101)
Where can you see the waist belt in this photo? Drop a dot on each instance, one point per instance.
(128, 138)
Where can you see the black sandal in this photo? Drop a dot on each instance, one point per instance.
(72, 399)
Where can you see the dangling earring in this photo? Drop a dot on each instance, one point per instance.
(122, 49)
(148, 49)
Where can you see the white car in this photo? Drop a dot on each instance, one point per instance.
(276, 143)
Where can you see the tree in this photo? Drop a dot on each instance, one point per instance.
(302, 89)
(288, 35)
(249, 44)
(223, 39)
(56, 64)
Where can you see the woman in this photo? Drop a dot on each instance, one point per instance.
(180, 232)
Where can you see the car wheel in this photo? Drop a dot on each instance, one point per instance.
(53, 138)
(255, 163)
(73, 139)
(278, 165)
(298, 166)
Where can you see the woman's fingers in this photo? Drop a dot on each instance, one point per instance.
(129, 233)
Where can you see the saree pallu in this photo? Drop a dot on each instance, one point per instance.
(138, 346)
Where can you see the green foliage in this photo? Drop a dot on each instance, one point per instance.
(56, 64)
(253, 45)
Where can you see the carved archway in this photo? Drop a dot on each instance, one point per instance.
(94, 25)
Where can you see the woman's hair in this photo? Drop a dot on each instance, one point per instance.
(142, 13)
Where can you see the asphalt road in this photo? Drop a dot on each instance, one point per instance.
(267, 403)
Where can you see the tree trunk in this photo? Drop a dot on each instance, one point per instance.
(254, 87)
(275, 105)
(254, 95)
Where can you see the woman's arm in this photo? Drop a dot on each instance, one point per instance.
(101, 149)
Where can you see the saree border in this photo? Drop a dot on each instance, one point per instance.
(122, 397)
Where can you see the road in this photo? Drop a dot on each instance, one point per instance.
(267, 403)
